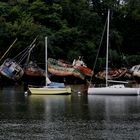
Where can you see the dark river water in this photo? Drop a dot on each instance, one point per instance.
(68, 117)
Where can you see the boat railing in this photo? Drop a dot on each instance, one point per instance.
(126, 84)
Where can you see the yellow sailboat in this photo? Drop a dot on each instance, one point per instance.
(51, 88)
(50, 91)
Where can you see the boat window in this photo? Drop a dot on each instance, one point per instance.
(7, 64)
(14, 72)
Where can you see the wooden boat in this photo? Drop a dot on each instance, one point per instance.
(51, 88)
(58, 68)
(81, 67)
(33, 74)
(32, 69)
(11, 69)
(63, 68)
(114, 89)
(112, 74)
(85, 70)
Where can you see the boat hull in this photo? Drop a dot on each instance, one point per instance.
(49, 91)
(11, 69)
(113, 91)
(85, 70)
(60, 68)
(32, 69)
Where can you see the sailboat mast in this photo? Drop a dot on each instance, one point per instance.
(46, 66)
(107, 45)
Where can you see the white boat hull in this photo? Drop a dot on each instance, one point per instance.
(113, 91)
(49, 91)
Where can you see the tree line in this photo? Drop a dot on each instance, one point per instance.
(73, 28)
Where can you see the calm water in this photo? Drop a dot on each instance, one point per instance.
(69, 117)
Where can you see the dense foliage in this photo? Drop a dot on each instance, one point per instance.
(73, 28)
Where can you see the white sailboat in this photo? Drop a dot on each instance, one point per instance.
(119, 89)
(51, 88)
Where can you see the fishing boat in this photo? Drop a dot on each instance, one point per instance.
(118, 87)
(59, 68)
(67, 72)
(33, 74)
(33, 70)
(10, 68)
(51, 88)
(113, 74)
(78, 65)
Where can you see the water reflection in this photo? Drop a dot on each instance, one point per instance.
(12, 101)
(113, 106)
(116, 117)
(49, 105)
(60, 106)
(76, 116)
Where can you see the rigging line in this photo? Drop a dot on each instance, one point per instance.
(26, 49)
(26, 53)
(23, 56)
(8, 49)
(99, 48)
